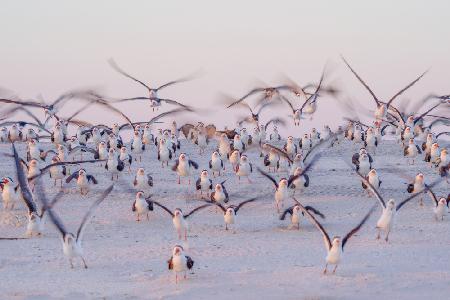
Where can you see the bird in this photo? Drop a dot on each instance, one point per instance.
(183, 166)
(164, 153)
(335, 246)
(267, 93)
(72, 244)
(411, 151)
(179, 219)
(216, 163)
(440, 206)
(137, 146)
(386, 221)
(382, 108)
(373, 179)
(126, 158)
(295, 211)
(142, 205)
(142, 181)
(179, 262)
(114, 165)
(281, 188)
(244, 168)
(83, 180)
(155, 101)
(417, 186)
(10, 193)
(204, 183)
(230, 211)
(220, 193)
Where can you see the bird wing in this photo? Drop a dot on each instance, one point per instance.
(27, 195)
(427, 187)
(196, 209)
(91, 210)
(113, 64)
(175, 166)
(289, 210)
(404, 89)
(243, 203)
(315, 211)
(362, 81)
(61, 163)
(53, 216)
(245, 96)
(193, 163)
(163, 207)
(280, 152)
(73, 176)
(433, 195)
(373, 189)
(268, 177)
(358, 227)
(316, 223)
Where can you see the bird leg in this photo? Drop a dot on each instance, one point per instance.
(176, 274)
(71, 263)
(334, 270)
(185, 234)
(325, 270)
(179, 180)
(84, 262)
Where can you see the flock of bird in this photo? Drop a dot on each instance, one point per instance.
(103, 146)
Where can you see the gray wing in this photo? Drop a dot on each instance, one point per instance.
(90, 212)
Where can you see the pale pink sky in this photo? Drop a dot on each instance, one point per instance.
(49, 47)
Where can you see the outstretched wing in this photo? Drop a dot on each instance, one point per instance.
(163, 207)
(268, 177)
(91, 210)
(315, 211)
(113, 64)
(289, 210)
(427, 187)
(362, 81)
(196, 209)
(358, 227)
(373, 189)
(404, 89)
(316, 223)
(243, 203)
(280, 152)
(27, 195)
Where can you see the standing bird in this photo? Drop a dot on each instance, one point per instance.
(335, 246)
(230, 212)
(72, 246)
(305, 143)
(417, 186)
(142, 205)
(440, 206)
(244, 168)
(183, 166)
(126, 158)
(373, 179)
(411, 151)
(142, 181)
(290, 147)
(10, 193)
(204, 183)
(179, 262)
(114, 165)
(234, 159)
(220, 194)
(137, 146)
(164, 153)
(179, 219)
(216, 163)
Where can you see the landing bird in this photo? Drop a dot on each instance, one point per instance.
(230, 211)
(295, 211)
(72, 247)
(179, 219)
(83, 180)
(335, 247)
(386, 221)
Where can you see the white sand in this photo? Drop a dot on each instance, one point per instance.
(262, 259)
